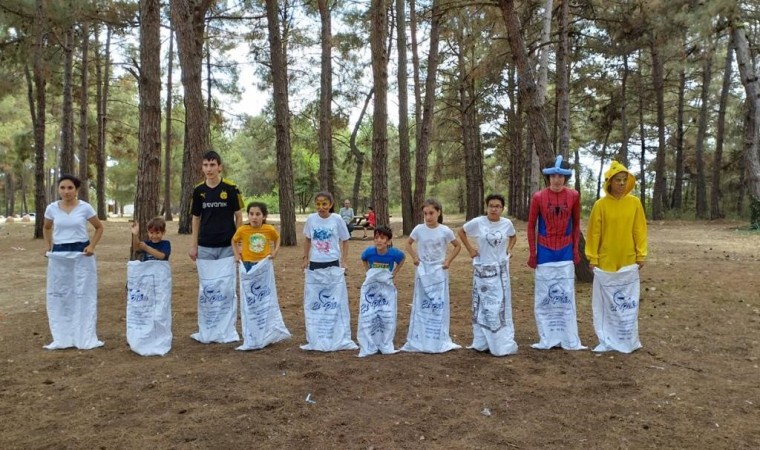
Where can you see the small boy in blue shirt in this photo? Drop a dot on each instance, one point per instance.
(156, 247)
(383, 255)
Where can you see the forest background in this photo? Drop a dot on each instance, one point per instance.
(481, 95)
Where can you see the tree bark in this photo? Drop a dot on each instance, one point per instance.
(39, 124)
(188, 20)
(720, 134)
(67, 115)
(677, 199)
(326, 159)
(622, 155)
(749, 79)
(658, 80)
(423, 144)
(168, 147)
(282, 126)
(701, 206)
(378, 36)
(358, 156)
(149, 144)
(563, 92)
(527, 83)
(102, 105)
(84, 147)
(404, 152)
(417, 83)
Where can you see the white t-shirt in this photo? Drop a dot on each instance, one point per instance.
(492, 237)
(326, 236)
(432, 242)
(70, 227)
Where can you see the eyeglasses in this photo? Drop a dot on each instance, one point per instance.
(495, 206)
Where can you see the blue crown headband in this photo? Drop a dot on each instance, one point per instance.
(557, 169)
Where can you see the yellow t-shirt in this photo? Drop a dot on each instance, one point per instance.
(257, 242)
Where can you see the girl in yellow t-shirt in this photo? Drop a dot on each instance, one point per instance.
(257, 239)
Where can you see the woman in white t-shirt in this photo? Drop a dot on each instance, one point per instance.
(65, 226)
(72, 275)
(492, 326)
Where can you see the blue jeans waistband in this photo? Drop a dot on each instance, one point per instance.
(70, 247)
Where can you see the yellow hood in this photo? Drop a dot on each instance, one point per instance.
(616, 168)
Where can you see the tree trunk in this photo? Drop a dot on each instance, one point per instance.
(417, 86)
(102, 104)
(563, 88)
(642, 137)
(67, 115)
(84, 147)
(715, 192)
(168, 147)
(473, 156)
(282, 126)
(622, 155)
(188, 20)
(404, 152)
(701, 207)
(677, 199)
(527, 83)
(39, 124)
(658, 80)
(378, 35)
(326, 159)
(358, 156)
(149, 145)
(750, 81)
(423, 144)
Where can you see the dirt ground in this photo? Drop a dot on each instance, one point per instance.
(693, 385)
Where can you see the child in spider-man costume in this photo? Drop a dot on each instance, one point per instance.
(556, 213)
(553, 235)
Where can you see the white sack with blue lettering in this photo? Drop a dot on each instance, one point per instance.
(377, 313)
(615, 304)
(259, 309)
(149, 307)
(429, 321)
(325, 305)
(492, 325)
(72, 300)
(217, 301)
(554, 306)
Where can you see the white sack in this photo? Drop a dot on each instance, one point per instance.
(429, 321)
(217, 301)
(554, 306)
(325, 305)
(72, 300)
(149, 307)
(492, 326)
(377, 313)
(259, 309)
(615, 303)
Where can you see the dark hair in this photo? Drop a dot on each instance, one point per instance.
(328, 196)
(262, 206)
(385, 231)
(158, 224)
(435, 204)
(212, 156)
(563, 165)
(498, 197)
(77, 182)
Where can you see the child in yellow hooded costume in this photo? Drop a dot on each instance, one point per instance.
(617, 228)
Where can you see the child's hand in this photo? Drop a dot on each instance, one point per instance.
(135, 228)
(237, 258)
(474, 254)
(416, 261)
(446, 264)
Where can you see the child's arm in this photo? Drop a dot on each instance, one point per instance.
(344, 254)
(466, 242)
(366, 265)
(457, 248)
(306, 248)
(235, 249)
(511, 243)
(135, 237)
(152, 251)
(398, 265)
(275, 247)
(412, 252)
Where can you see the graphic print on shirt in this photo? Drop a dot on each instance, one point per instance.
(321, 237)
(257, 242)
(494, 238)
(432, 248)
